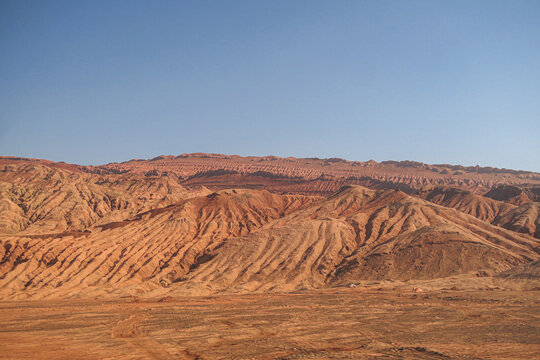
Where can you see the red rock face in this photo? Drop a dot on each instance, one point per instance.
(318, 176)
(523, 218)
(515, 194)
(154, 226)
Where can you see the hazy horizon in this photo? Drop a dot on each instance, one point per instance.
(434, 82)
(257, 155)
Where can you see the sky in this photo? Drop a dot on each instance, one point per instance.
(93, 82)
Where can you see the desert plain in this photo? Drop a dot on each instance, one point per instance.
(359, 323)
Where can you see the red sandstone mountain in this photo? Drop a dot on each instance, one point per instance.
(42, 197)
(312, 175)
(317, 176)
(149, 227)
(524, 218)
(359, 234)
(153, 248)
(518, 195)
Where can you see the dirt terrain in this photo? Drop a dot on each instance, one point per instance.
(341, 323)
(205, 256)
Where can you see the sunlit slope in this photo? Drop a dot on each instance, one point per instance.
(155, 248)
(37, 199)
(362, 234)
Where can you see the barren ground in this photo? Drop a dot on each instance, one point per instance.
(342, 323)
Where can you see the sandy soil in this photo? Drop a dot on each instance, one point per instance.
(341, 323)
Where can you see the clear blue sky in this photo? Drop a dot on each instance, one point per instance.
(93, 82)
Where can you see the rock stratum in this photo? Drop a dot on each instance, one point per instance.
(205, 224)
(322, 176)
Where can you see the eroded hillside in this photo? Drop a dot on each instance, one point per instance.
(318, 176)
(69, 230)
(38, 198)
(524, 218)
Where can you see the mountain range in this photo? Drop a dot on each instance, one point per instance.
(210, 223)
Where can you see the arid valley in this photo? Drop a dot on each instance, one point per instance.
(208, 256)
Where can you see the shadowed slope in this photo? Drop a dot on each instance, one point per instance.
(517, 195)
(524, 218)
(476, 205)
